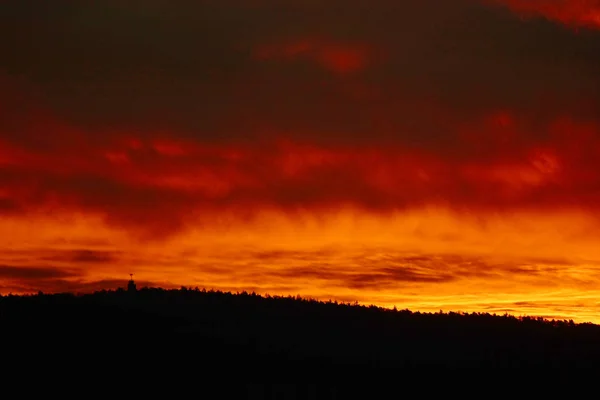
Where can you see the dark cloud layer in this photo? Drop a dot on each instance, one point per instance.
(82, 257)
(192, 66)
(32, 273)
(392, 271)
(150, 112)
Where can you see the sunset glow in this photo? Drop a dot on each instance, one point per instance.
(430, 160)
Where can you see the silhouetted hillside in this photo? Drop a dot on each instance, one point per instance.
(294, 331)
(218, 345)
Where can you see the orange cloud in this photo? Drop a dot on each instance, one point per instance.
(427, 259)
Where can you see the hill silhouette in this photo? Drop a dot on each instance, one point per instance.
(247, 333)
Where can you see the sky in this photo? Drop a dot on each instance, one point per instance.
(424, 154)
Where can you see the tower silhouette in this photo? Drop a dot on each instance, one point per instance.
(131, 284)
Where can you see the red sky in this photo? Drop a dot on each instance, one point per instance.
(422, 153)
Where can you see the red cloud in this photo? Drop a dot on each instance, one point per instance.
(157, 185)
(157, 182)
(570, 12)
(337, 57)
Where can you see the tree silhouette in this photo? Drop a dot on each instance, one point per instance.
(246, 332)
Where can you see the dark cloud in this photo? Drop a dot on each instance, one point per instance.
(192, 67)
(9, 272)
(379, 276)
(8, 206)
(394, 271)
(152, 114)
(82, 256)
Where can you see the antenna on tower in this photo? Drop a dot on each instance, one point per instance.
(131, 275)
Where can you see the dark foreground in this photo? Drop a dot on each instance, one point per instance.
(215, 334)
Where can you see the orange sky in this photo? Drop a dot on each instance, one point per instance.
(412, 153)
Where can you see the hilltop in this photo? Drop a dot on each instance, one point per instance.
(294, 331)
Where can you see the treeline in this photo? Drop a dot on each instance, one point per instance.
(295, 332)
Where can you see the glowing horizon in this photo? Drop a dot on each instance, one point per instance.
(425, 260)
